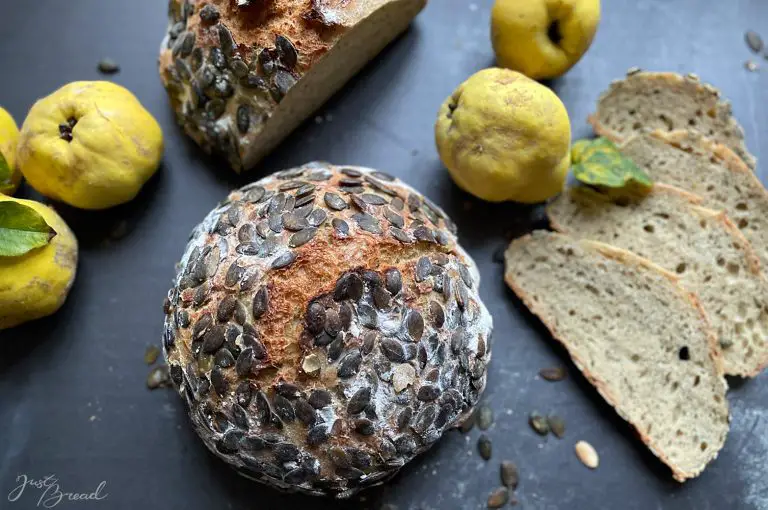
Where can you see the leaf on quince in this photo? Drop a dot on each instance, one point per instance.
(22, 229)
(600, 163)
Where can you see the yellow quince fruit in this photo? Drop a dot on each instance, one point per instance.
(10, 177)
(503, 136)
(89, 144)
(543, 39)
(36, 284)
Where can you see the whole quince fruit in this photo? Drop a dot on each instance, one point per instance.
(10, 177)
(503, 136)
(36, 284)
(91, 145)
(543, 39)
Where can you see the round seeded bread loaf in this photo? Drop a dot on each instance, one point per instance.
(325, 327)
(242, 75)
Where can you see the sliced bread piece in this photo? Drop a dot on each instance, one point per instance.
(708, 169)
(638, 337)
(645, 101)
(702, 246)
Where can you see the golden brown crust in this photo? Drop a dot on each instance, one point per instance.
(629, 258)
(690, 141)
(279, 264)
(227, 68)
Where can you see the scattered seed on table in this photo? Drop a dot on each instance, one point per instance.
(556, 425)
(754, 41)
(468, 423)
(484, 417)
(538, 423)
(158, 377)
(108, 66)
(510, 477)
(751, 66)
(587, 454)
(498, 498)
(552, 374)
(484, 446)
(151, 354)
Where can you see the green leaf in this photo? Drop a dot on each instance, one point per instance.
(22, 229)
(600, 163)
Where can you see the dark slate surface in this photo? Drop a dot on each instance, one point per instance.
(72, 397)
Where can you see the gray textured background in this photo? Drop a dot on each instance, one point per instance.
(72, 396)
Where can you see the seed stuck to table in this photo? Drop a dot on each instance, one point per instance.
(556, 425)
(510, 476)
(538, 423)
(108, 66)
(587, 454)
(484, 417)
(498, 498)
(754, 41)
(484, 446)
(552, 374)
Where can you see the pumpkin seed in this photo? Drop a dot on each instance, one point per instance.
(484, 417)
(484, 446)
(556, 425)
(538, 423)
(510, 476)
(754, 41)
(552, 374)
(498, 498)
(108, 66)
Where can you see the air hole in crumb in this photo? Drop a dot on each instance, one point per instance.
(711, 187)
(683, 354)
(703, 223)
(699, 113)
(707, 278)
(592, 289)
(718, 398)
(720, 261)
(649, 228)
(743, 222)
(691, 122)
(635, 357)
(703, 445)
(632, 111)
(571, 312)
(679, 433)
(733, 268)
(675, 385)
(741, 206)
(681, 268)
(622, 201)
(696, 380)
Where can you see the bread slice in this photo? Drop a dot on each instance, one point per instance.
(636, 335)
(694, 163)
(702, 246)
(645, 101)
(242, 77)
